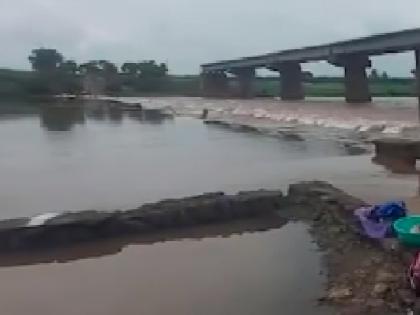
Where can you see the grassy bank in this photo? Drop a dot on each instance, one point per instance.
(334, 87)
(27, 85)
(270, 87)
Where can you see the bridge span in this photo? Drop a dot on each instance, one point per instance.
(353, 55)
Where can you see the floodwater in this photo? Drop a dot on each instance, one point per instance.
(389, 115)
(74, 157)
(247, 274)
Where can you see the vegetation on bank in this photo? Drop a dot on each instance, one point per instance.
(334, 87)
(53, 74)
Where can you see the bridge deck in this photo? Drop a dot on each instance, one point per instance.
(371, 45)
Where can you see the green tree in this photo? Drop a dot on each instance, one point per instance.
(152, 77)
(69, 67)
(149, 69)
(69, 78)
(46, 64)
(107, 67)
(374, 74)
(89, 67)
(384, 75)
(45, 60)
(145, 76)
(109, 72)
(130, 68)
(100, 76)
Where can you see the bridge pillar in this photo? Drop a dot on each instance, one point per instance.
(355, 78)
(291, 87)
(417, 73)
(246, 78)
(214, 84)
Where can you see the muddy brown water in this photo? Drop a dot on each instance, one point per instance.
(251, 273)
(75, 158)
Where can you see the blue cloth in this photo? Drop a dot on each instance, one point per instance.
(389, 211)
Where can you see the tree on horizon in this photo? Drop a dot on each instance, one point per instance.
(130, 68)
(374, 75)
(69, 67)
(45, 59)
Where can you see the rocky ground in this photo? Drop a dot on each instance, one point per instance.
(364, 277)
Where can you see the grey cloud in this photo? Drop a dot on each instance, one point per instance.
(186, 33)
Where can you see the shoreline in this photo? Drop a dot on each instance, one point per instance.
(363, 277)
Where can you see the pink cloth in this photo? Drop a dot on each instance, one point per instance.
(414, 274)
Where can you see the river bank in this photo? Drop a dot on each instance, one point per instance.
(17, 84)
(364, 277)
(93, 156)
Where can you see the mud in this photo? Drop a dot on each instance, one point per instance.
(364, 276)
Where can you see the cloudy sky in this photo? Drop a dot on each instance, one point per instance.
(185, 33)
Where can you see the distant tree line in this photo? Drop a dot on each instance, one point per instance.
(374, 75)
(53, 74)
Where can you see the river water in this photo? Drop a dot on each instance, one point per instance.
(251, 273)
(76, 158)
(85, 156)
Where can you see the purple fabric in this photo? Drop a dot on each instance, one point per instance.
(373, 229)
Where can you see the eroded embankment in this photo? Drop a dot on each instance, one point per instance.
(52, 230)
(364, 277)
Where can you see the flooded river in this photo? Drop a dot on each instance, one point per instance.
(77, 158)
(60, 158)
(251, 273)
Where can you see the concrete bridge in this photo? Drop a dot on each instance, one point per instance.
(352, 55)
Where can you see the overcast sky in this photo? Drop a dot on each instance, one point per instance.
(186, 33)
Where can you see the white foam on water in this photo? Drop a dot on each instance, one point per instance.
(324, 119)
(367, 120)
(364, 128)
(392, 129)
(41, 219)
(241, 111)
(261, 113)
